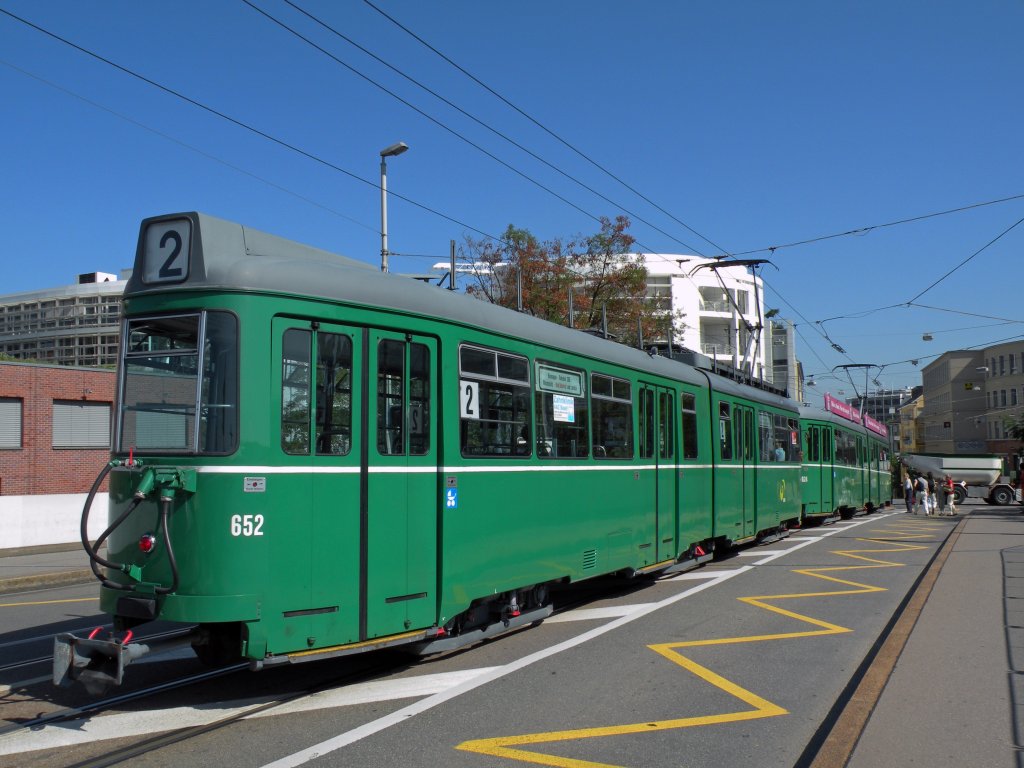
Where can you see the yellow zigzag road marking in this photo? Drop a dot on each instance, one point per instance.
(510, 746)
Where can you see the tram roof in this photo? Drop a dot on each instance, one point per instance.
(819, 414)
(227, 256)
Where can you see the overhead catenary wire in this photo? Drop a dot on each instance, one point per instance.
(866, 229)
(969, 258)
(246, 126)
(633, 215)
(189, 147)
(540, 125)
(241, 124)
(429, 117)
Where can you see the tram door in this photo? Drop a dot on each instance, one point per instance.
(811, 471)
(828, 475)
(658, 443)
(735, 472)
(400, 512)
(316, 550)
(743, 423)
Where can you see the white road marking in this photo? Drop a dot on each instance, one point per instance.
(147, 723)
(587, 614)
(423, 705)
(705, 574)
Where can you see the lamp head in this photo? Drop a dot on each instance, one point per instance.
(394, 149)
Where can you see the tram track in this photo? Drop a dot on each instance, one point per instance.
(93, 707)
(182, 735)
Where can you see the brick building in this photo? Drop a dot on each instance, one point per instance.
(55, 424)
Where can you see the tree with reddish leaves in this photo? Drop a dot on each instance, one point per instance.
(605, 279)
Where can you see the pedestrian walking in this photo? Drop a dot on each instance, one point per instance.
(932, 504)
(950, 496)
(921, 494)
(908, 493)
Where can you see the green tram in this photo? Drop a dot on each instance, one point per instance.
(312, 458)
(845, 463)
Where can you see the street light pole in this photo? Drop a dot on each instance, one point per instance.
(393, 151)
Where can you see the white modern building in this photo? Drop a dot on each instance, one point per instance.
(722, 306)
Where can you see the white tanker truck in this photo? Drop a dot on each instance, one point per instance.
(976, 477)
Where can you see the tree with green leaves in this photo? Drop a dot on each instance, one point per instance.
(599, 270)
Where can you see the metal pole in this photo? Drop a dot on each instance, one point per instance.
(393, 151)
(383, 215)
(451, 276)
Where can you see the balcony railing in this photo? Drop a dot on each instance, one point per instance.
(715, 306)
(717, 350)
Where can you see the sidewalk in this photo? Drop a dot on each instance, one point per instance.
(952, 697)
(40, 567)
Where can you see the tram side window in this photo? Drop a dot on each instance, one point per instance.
(666, 437)
(846, 448)
(725, 430)
(419, 399)
(390, 397)
(646, 406)
(325, 412)
(494, 391)
(561, 412)
(748, 437)
(333, 394)
(611, 417)
(766, 436)
(813, 444)
(295, 400)
(394, 423)
(786, 434)
(689, 426)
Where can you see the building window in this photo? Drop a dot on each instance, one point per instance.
(10, 422)
(1002, 398)
(1002, 365)
(1013, 363)
(78, 424)
(1013, 396)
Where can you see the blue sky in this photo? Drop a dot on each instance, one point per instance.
(757, 124)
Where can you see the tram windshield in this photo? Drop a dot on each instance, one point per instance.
(179, 384)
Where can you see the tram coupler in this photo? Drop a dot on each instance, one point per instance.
(99, 664)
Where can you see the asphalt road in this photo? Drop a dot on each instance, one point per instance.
(740, 663)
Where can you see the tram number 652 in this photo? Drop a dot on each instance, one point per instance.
(247, 525)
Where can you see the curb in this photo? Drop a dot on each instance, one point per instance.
(44, 580)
